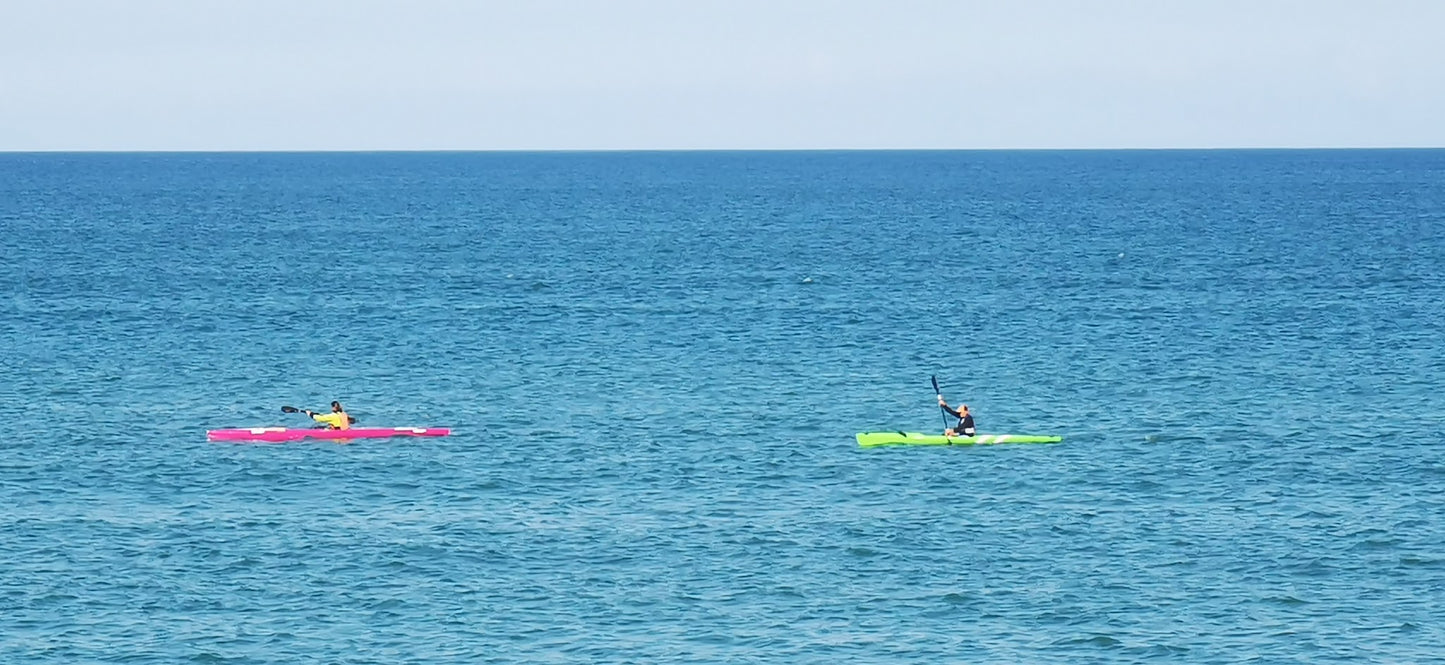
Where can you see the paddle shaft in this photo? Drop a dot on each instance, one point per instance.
(942, 409)
(292, 409)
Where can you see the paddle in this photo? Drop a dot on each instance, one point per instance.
(941, 408)
(292, 409)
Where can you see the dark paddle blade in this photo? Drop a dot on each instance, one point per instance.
(936, 391)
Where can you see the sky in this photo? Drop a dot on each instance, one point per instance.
(719, 74)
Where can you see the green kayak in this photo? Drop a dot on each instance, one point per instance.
(873, 439)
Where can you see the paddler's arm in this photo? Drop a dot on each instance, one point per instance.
(947, 409)
(331, 419)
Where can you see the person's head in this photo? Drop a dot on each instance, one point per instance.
(336, 407)
(963, 408)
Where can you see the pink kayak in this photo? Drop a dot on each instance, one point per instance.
(281, 434)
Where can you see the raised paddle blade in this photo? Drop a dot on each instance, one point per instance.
(290, 409)
(936, 391)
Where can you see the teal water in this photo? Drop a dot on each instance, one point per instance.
(654, 364)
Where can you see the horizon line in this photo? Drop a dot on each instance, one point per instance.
(81, 151)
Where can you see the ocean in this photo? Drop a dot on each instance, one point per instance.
(654, 365)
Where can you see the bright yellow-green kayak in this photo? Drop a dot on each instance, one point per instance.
(873, 439)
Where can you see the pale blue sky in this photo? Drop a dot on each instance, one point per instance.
(731, 74)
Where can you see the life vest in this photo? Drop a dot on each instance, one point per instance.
(333, 420)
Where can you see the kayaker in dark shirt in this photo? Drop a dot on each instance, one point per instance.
(965, 419)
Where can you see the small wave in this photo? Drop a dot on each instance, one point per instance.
(1415, 560)
(1092, 640)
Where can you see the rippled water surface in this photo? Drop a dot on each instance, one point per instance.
(655, 363)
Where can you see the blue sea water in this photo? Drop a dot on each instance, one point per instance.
(655, 363)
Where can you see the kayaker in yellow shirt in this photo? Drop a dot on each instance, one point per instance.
(337, 419)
